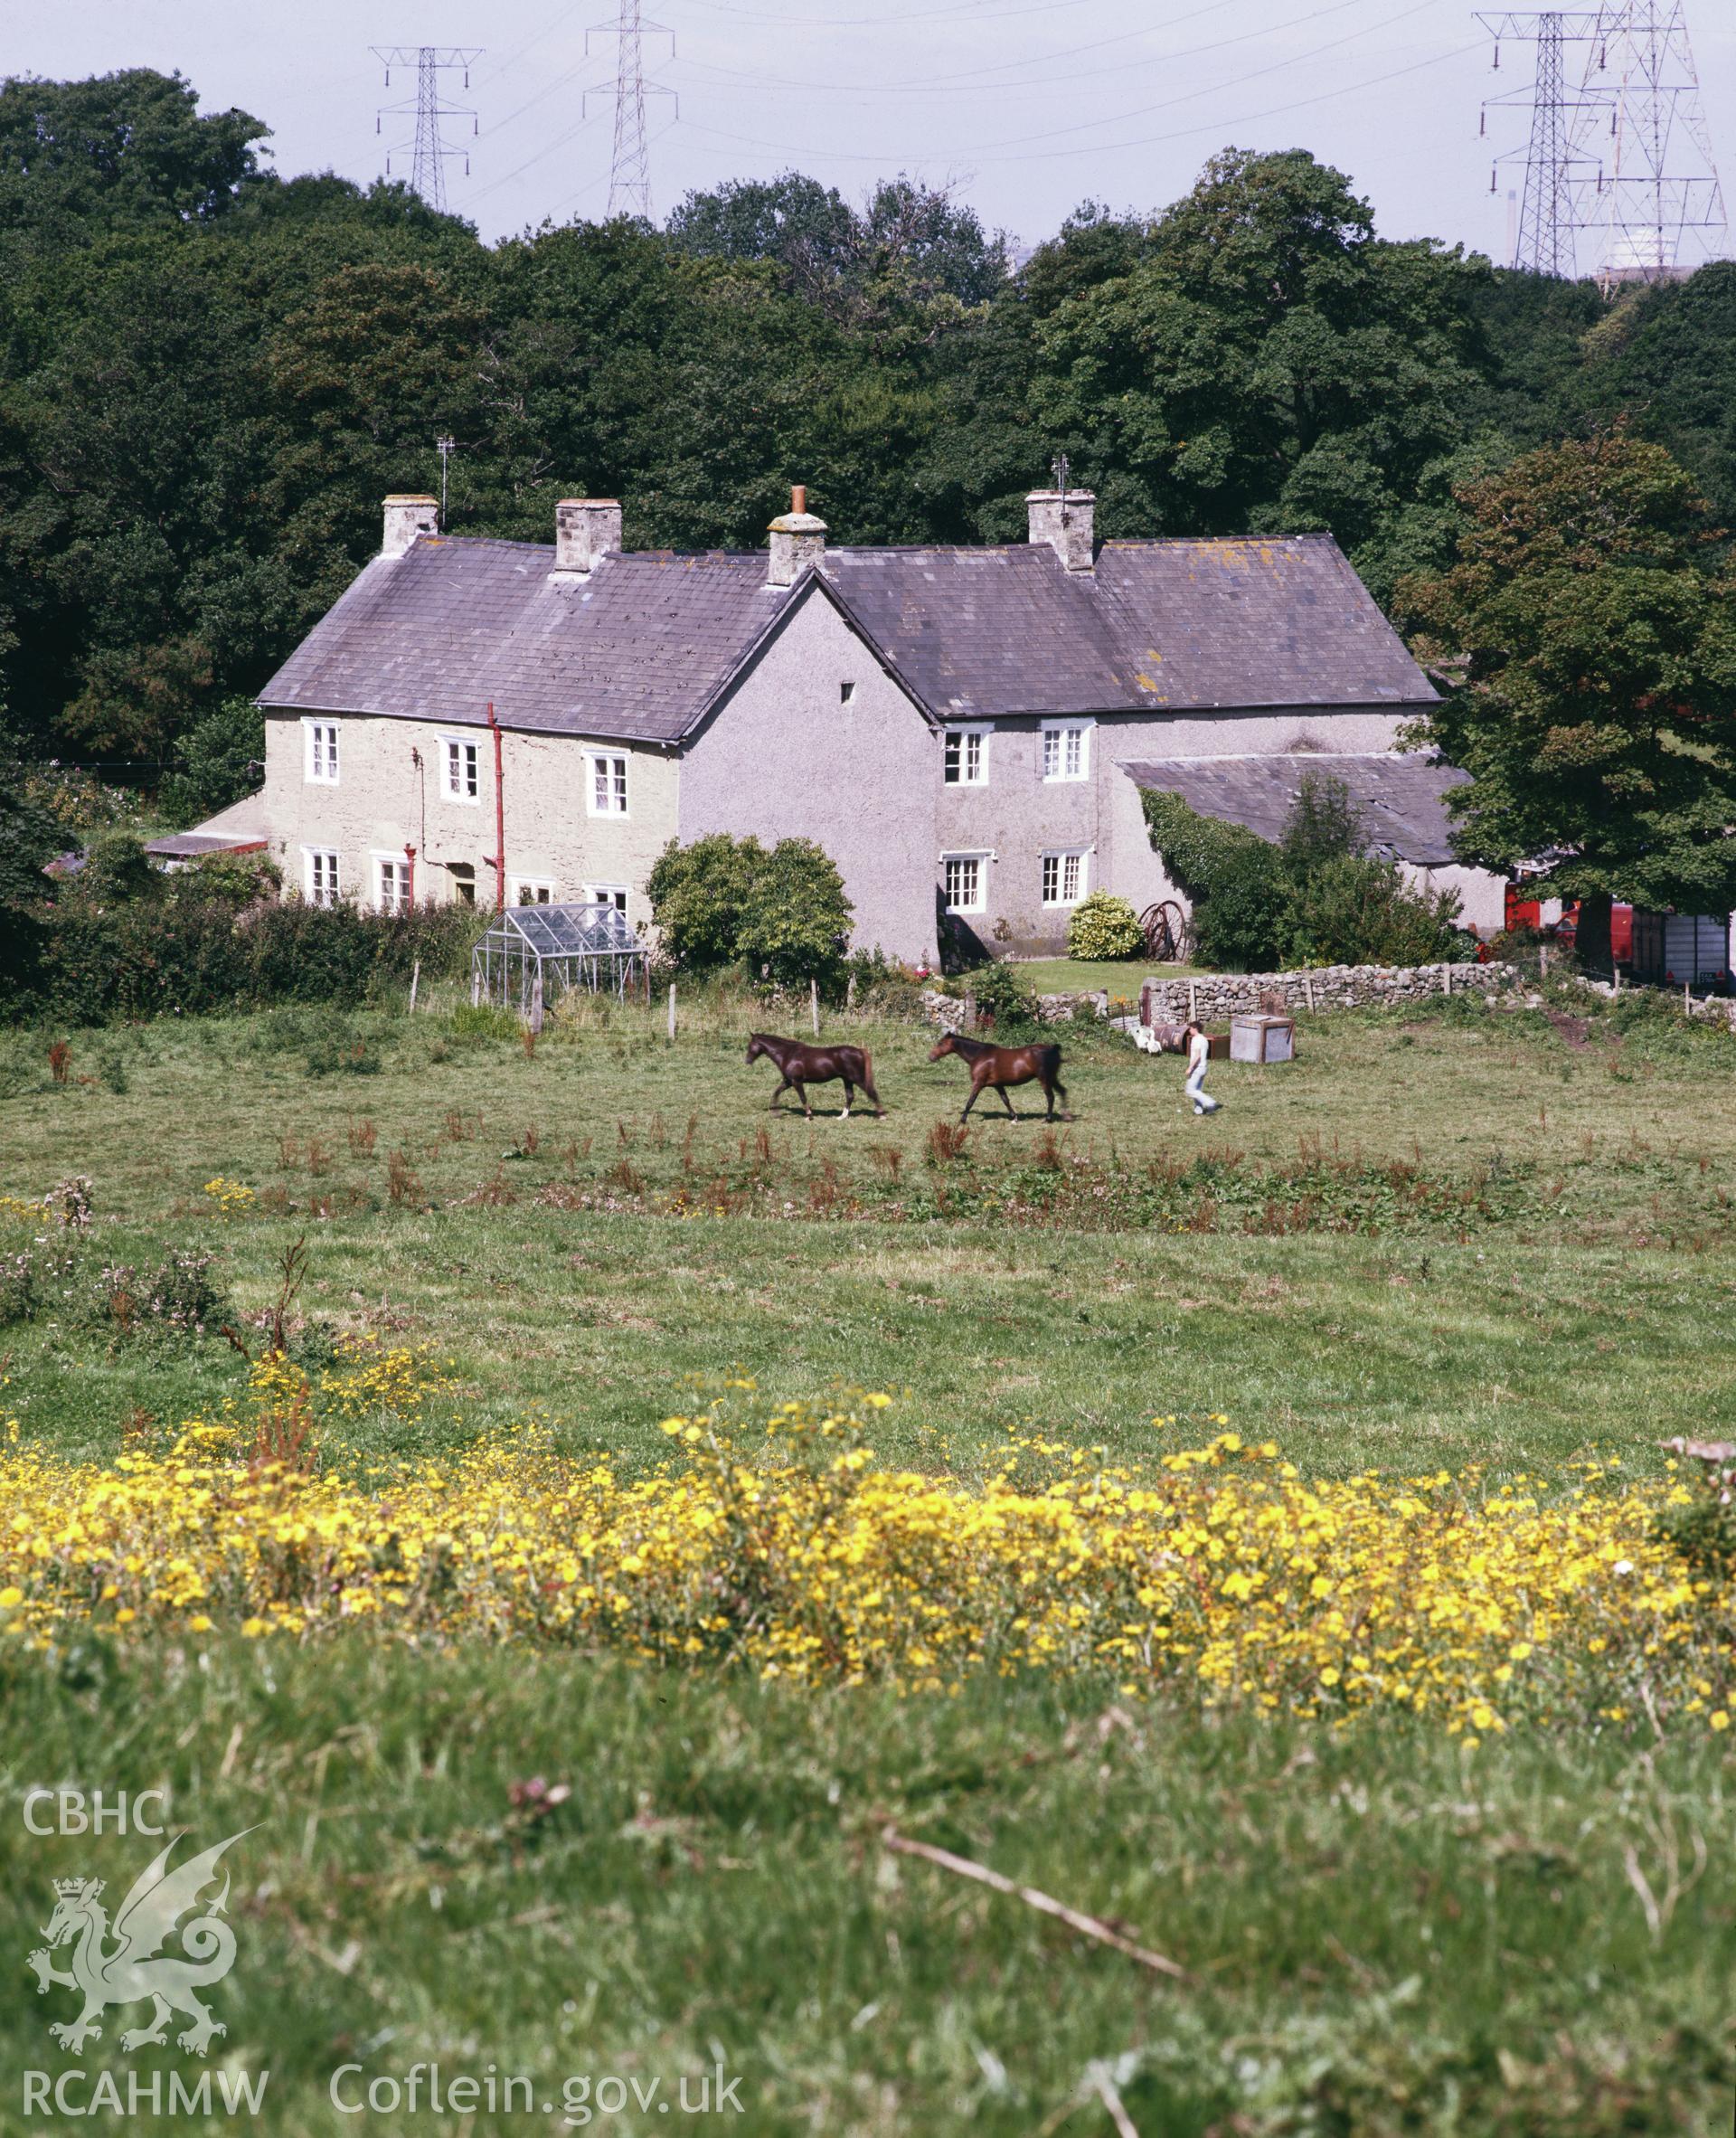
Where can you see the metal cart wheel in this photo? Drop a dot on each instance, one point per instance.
(1169, 937)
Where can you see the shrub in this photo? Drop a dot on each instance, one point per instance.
(797, 920)
(725, 901)
(1105, 926)
(697, 894)
(1001, 990)
(1311, 900)
(220, 759)
(1351, 912)
(1234, 879)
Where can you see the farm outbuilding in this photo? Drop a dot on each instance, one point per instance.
(1683, 950)
(532, 954)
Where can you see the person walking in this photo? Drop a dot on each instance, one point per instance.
(1199, 1057)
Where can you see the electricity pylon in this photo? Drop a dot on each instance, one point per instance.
(1549, 206)
(630, 170)
(1660, 179)
(429, 150)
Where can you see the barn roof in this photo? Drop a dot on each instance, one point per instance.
(644, 646)
(1403, 799)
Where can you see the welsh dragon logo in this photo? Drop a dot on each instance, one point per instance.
(137, 1967)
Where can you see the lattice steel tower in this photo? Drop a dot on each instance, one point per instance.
(1659, 199)
(630, 172)
(428, 148)
(1555, 174)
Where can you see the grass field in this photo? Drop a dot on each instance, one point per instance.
(1439, 1239)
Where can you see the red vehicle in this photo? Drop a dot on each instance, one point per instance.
(1559, 918)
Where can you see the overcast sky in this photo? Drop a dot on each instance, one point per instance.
(1027, 106)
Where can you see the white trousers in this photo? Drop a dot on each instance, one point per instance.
(1204, 1103)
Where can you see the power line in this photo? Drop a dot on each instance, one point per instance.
(1103, 148)
(1020, 143)
(946, 84)
(630, 170)
(428, 148)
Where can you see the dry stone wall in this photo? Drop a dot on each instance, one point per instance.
(1209, 996)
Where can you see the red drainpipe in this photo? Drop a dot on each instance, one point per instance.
(500, 819)
(410, 892)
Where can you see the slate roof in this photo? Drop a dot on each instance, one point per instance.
(237, 830)
(1403, 799)
(644, 647)
(639, 650)
(1167, 626)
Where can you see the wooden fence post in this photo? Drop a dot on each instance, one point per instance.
(850, 992)
(1307, 989)
(672, 1012)
(1446, 980)
(1192, 1003)
(415, 975)
(813, 1005)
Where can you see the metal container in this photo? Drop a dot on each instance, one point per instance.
(1262, 1039)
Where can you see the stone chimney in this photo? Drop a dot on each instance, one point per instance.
(408, 517)
(585, 530)
(1066, 521)
(797, 540)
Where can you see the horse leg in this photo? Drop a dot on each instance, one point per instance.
(1053, 1088)
(849, 1095)
(801, 1094)
(977, 1086)
(782, 1088)
(1007, 1102)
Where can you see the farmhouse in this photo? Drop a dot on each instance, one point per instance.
(966, 731)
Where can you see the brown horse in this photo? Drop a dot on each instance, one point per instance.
(998, 1066)
(799, 1063)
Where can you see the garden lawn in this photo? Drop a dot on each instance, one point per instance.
(1120, 976)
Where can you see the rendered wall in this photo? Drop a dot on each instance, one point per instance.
(383, 801)
(786, 758)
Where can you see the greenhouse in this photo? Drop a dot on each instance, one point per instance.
(532, 954)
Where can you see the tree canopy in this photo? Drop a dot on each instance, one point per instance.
(209, 374)
(1585, 639)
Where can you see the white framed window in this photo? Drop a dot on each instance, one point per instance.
(319, 875)
(606, 789)
(1067, 749)
(391, 882)
(966, 757)
(613, 895)
(529, 891)
(460, 769)
(319, 746)
(967, 881)
(1064, 876)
